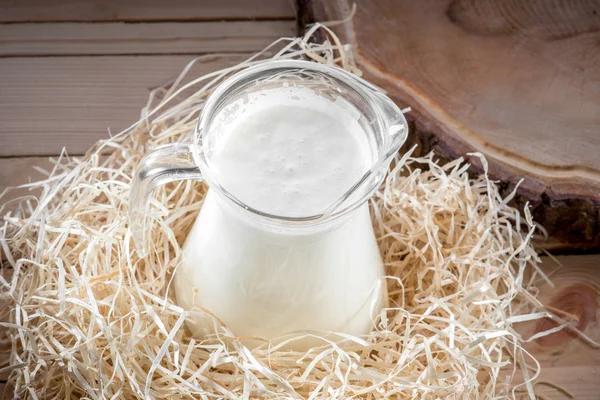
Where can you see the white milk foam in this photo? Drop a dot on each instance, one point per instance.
(289, 152)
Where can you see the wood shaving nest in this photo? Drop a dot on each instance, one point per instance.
(88, 318)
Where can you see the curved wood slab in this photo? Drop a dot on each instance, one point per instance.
(518, 81)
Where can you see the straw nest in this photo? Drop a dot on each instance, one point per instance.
(88, 318)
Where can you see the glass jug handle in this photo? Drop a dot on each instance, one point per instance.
(168, 163)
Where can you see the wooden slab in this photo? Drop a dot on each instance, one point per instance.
(29, 39)
(518, 81)
(143, 10)
(48, 103)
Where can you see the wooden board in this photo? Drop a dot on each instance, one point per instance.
(143, 10)
(48, 103)
(18, 171)
(518, 81)
(567, 360)
(141, 38)
(51, 102)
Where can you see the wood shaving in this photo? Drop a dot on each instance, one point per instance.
(88, 318)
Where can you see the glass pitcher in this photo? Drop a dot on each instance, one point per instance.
(268, 275)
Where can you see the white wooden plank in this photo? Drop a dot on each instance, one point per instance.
(140, 38)
(143, 10)
(49, 103)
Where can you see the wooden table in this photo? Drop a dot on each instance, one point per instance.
(72, 72)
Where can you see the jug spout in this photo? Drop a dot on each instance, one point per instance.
(390, 132)
(393, 121)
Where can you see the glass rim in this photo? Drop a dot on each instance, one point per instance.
(334, 211)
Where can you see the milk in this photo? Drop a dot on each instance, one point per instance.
(291, 153)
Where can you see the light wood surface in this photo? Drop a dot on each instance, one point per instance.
(142, 38)
(143, 10)
(20, 170)
(51, 102)
(516, 80)
(566, 359)
(48, 103)
(16, 171)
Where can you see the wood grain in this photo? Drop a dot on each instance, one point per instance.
(576, 291)
(581, 382)
(49, 103)
(143, 10)
(140, 38)
(18, 171)
(566, 359)
(517, 81)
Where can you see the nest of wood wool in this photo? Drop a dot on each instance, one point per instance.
(88, 318)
